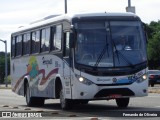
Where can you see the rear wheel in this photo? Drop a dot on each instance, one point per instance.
(83, 101)
(152, 84)
(122, 102)
(33, 101)
(66, 104)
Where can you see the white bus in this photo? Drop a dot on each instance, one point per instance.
(76, 58)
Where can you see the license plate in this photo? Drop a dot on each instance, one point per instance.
(115, 96)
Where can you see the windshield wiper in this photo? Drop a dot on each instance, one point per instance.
(116, 51)
(102, 53)
(123, 57)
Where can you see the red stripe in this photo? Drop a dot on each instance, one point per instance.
(43, 81)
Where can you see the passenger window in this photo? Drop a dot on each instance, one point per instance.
(58, 37)
(26, 44)
(35, 42)
(45, 39)
(19, 45)
(13, 46)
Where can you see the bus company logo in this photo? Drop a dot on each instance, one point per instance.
(32, 67)
(46, 62)
(114, 80)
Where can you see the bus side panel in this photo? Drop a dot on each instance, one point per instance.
(41, 72)
(18, 67)
(66, 78)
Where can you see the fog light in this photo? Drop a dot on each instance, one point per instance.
(82, 93)
(145, 91)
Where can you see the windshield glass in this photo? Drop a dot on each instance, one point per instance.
(110, 44)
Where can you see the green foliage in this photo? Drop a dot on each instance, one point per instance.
(2, 66)
(153, 47)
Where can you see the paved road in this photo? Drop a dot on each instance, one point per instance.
(9, 101)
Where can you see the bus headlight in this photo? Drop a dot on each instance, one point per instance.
(85, 81)
(81, 79)
(142, 78)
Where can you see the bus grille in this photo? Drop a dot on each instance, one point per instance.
(119, 91)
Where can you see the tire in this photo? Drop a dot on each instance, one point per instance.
(39, 101)
(66, 104)
(83, 102)
(152, 84)
(33, 101)
(122, 102)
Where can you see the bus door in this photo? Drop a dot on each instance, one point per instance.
(67, 64)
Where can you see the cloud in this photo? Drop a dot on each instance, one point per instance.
(15, 13)
(96, 5)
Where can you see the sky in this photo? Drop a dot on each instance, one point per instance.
(16, 13)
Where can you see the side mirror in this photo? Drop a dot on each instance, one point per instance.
(71, 40)
(145, 31)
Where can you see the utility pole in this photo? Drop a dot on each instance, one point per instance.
(130, 8)
(6, 70)
(65, 6)
(129, 3)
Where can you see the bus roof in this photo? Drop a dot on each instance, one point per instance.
(54, 18)
(103, 14)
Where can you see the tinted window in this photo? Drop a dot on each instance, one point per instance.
(35, 41)
(52, 38)
(45, 40)
(18, 45)
(26, 44)
(58, 37)
(13, 47)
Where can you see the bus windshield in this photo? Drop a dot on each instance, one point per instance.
(110, 43)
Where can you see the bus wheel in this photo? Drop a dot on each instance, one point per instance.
(66, 104)
(29, 99)
(83, 101)
(122, 102)
(33, 101)
(152, 84)
(39, 101)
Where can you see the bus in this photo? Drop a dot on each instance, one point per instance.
(76, 58)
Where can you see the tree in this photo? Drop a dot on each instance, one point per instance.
(153, 47)
(2, 66)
